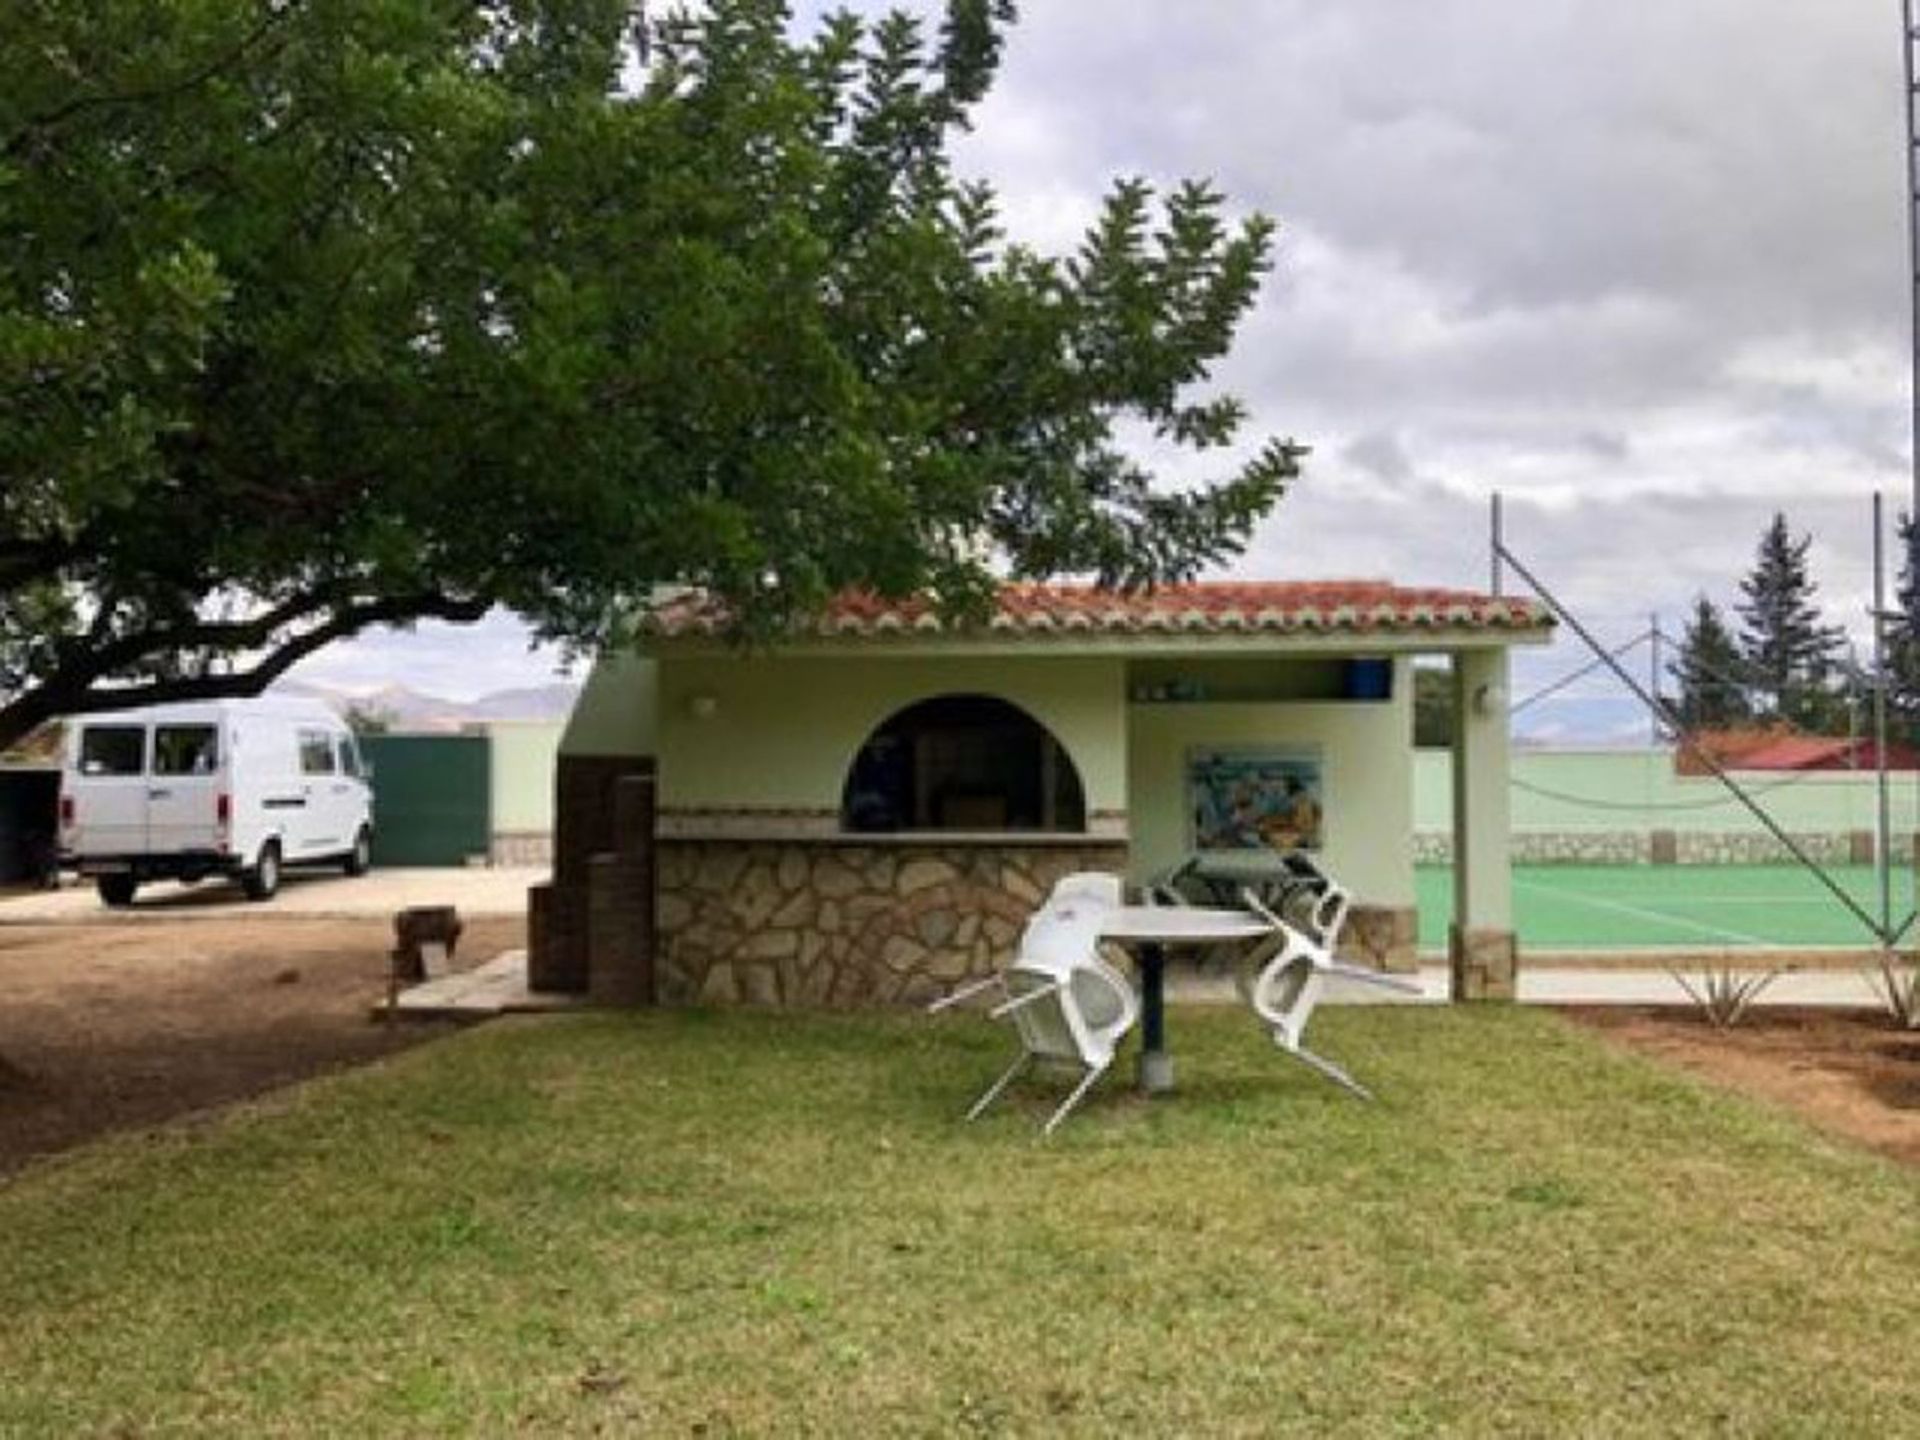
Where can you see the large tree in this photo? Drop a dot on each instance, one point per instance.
(1789, 654)
(316, 314)
(1708, 670)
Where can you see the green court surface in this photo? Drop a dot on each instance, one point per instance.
(1560, 907)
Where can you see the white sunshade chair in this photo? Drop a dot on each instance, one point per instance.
(1291, 980)
(1068, 1005)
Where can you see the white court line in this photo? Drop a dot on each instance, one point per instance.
(1656, 916)
(1821, 899)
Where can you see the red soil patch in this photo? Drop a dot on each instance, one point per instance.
(1851, 1072)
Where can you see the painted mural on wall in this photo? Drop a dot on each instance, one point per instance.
(1254, 798)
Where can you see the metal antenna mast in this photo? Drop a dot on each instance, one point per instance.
(1909, 38)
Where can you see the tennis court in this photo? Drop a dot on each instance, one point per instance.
(1570, 907)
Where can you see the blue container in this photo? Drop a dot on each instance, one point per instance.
(1369, 679)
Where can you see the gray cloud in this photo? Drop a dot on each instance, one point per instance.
(1640, 267)
(1379, 454)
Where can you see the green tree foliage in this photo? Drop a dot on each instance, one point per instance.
(1432, 708)
(367, 717)
(1709, 672)
(1788, 654)
(322, 313)
(1902, 636)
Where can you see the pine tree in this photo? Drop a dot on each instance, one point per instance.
(1903, 635)
(1789, 655)
(1710, 673)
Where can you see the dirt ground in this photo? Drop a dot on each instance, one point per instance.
(1851, 1072)
(117, 1026)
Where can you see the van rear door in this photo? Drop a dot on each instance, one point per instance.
(322, 817)
(183, 796)
(108, 784)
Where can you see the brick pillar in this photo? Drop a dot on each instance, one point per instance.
(585, 824)
(557, 938)
(620, 924)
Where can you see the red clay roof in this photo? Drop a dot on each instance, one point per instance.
(1819, 752)
(1344, 607)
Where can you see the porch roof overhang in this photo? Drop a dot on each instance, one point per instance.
(1271, 618)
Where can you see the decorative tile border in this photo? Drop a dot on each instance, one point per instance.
(820, 826)
(1670, 847)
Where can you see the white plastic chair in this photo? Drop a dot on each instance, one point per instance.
(1097, 887)
(1320, 909)
(1290, 982)
(1082, 890)
(1067, 1004)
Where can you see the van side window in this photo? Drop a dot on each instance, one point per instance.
(349, 758)
(185, 749)
(113, 749)
(316, 752)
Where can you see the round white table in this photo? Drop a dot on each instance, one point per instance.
(1148, 930)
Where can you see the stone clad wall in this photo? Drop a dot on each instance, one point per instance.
(1386, 937)
(798, 923)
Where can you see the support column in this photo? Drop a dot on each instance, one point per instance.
(1480, 942)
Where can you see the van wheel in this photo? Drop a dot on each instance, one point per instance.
(360, 858)
(116, 890)
(263, 880)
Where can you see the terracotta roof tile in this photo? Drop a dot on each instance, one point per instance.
(1357, 607)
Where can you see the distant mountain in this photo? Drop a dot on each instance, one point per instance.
(405, 708)
(528, 702)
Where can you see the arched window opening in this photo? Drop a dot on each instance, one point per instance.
(962, 762)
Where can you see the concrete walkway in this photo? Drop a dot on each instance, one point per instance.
(1598, 985)
(494, 988)
(500, 986)
(319, 895)
(1619, 978)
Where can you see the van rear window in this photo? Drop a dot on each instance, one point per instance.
(185, 749)
(113, 749)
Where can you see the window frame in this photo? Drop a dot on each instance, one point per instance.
(155, 750)
(305, 740)
(141, 759)
(1056, 785)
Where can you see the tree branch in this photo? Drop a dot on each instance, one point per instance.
(71, 690)
(80, 104)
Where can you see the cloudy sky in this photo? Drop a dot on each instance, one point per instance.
(1640, 267)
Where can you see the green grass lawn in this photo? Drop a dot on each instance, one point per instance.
(749, 1223)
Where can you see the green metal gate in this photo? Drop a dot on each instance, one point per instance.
(432, 798)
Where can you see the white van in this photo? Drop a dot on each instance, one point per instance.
(216, 787)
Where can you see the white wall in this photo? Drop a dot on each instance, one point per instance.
(1366, 752)
(781, 731)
